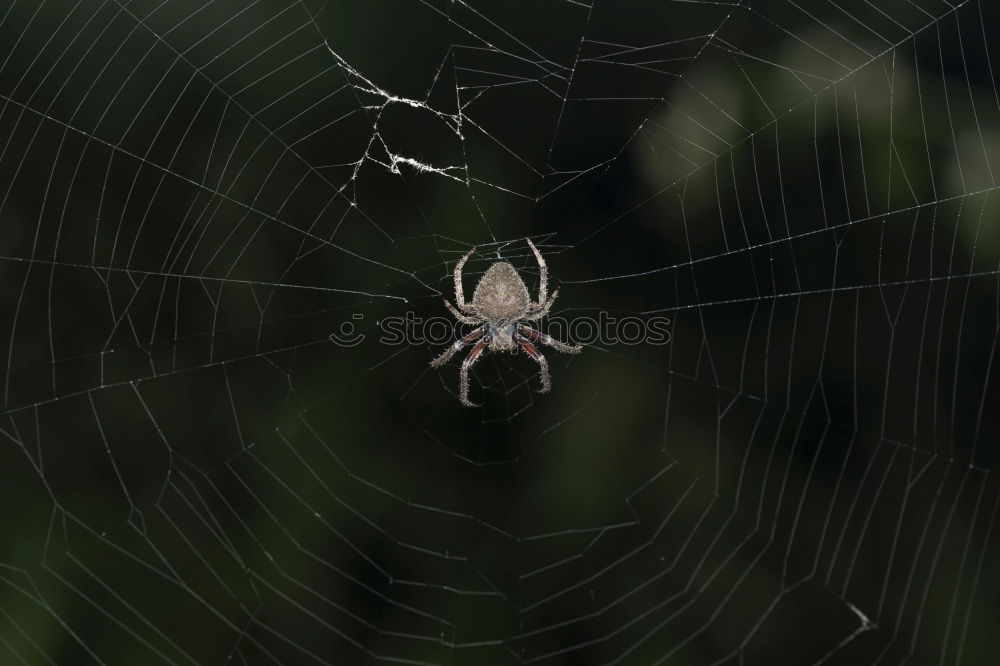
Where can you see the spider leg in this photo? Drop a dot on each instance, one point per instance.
(544, 339)
(463, 376)
(457, 346)
(542, 309)
(464, 318)
(543, 278)
(542, 363)
(459, 294)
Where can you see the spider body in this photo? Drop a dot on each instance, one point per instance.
(500, 304)
(501, 295)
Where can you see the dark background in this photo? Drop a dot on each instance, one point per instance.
(196, 195)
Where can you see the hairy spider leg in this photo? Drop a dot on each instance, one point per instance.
(457, 346)
(463, 377)
(464, 318)
(544, 308)
(459, 294)
(542, 363)
(543, 277)
(544, 339)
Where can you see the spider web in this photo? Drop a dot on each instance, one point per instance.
(199, 193)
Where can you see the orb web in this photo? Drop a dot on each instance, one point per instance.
(199, 196)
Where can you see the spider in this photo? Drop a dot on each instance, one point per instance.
(500, 304)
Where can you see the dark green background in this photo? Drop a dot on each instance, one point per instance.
(196, 195)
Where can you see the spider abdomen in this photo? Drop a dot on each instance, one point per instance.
(501, 295)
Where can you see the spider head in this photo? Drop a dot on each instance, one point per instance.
(502, 336)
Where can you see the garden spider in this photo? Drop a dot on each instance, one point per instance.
(500, 304)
